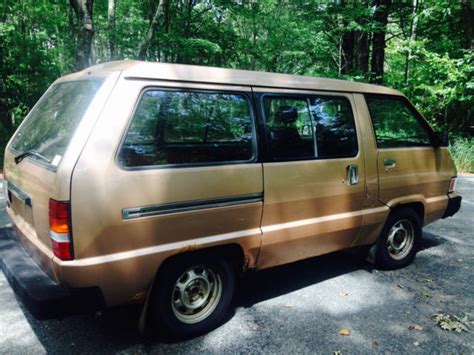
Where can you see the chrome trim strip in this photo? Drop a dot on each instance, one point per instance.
(18, 193)
(187, 206)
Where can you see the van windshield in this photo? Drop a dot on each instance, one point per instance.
(51, 124)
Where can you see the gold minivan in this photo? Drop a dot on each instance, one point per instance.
(157, 183)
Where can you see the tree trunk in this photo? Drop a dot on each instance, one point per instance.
(382, 8)
(413, 28)
(347, 52)
(363, 53)
(111, 28)
(468, 14)
(85, 33)
(160, 12)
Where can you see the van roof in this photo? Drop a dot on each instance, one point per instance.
(132, 69)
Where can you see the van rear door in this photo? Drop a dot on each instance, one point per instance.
(38, 163)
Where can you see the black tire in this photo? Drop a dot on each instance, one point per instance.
(167, 316)
(385, 255)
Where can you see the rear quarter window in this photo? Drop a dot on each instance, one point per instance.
(179, 127)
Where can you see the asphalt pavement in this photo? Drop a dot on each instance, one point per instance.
(298, 308)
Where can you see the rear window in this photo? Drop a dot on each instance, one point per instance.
(53, 121)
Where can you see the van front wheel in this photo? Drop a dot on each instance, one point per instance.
(192, 294)
(399, 239)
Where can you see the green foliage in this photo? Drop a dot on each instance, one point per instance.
(462, 151)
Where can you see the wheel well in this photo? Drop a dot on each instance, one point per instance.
(234, 252)
(416, 206)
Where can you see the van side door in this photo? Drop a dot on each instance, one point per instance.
(313, 175)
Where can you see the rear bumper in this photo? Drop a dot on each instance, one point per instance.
(454, 204)
(43, 297)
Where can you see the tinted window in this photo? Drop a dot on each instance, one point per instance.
(289, 127)
(310, 127)
(184, 127)
(51, 124)
(395, 123)
(334, 125)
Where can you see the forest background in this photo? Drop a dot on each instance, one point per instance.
(423, 48)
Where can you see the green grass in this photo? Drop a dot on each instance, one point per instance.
(462, 151)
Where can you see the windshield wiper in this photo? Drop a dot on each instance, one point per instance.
(31, 152)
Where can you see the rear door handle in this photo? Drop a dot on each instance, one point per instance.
(389, 164)
(352, 174)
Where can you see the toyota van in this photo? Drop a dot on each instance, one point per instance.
(152, 183)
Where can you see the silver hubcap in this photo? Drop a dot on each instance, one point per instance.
(196, 294)
(400, 239)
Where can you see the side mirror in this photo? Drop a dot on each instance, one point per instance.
(441, 139)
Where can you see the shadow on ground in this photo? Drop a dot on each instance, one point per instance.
(116, 330)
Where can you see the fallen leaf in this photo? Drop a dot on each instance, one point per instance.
(426, 294)
(415, 327)
(343, 293)
(416, 343)
(289, 305)
(451, 323)
(345, 332)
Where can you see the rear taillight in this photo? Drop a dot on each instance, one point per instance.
(452, 184)
(59, 229)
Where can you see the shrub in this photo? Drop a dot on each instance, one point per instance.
(462, 151)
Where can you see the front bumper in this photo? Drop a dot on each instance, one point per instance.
(43, 297)
(454, 204)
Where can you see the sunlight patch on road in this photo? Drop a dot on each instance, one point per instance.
(16, 332)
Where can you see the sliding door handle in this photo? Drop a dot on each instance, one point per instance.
(389, 164)
(352, 175)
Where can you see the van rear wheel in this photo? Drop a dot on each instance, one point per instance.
(192, 294)
(398, 242)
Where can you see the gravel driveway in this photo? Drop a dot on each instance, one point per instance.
(297, 308)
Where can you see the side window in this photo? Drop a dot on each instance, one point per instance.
(395, 123)
(186, 127)
(289, 126)
(310, 127)
(334, 126)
